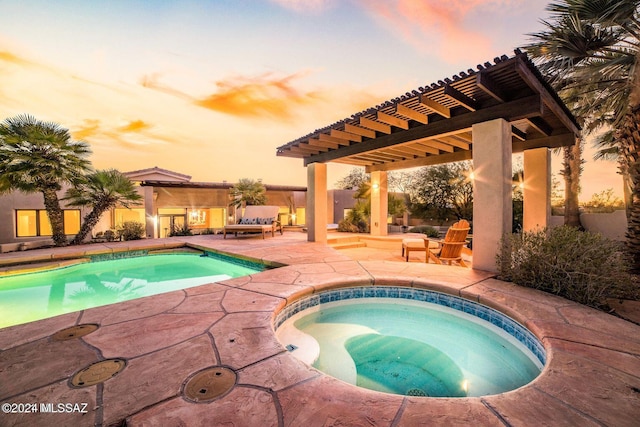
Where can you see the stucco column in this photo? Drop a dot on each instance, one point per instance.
(379, 203)
(151, 229)
(317, 202)
(537, 189)
(492, 209)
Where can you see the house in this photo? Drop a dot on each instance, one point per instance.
(171, 202)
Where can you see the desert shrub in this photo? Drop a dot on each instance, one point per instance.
(131, 230)
(580, 266)
(182, 230)
(425, 229)
(109, 235)
(356, 220)
(347, 226)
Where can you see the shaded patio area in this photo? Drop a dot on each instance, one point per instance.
(592, 375)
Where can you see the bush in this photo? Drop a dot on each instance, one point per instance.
(425, 229)
(131, 230)
(183, 230)
(110, 235)
(580, 266)
(347, 226)
(356, 221)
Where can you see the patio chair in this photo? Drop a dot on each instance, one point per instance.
(450, 248)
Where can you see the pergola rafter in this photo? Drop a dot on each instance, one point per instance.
(436, 120)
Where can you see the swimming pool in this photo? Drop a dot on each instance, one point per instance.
(410, 341)
(34, 296)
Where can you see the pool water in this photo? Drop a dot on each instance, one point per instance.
(409, 347)
(34, 296)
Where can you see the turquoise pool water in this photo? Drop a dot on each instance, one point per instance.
(409, 347)
(28, 297)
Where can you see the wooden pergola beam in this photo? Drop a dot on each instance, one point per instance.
(312, 149)
(422, 161)
(437, 144)
(435, 106)
(301, 150)
(318, 143)
(427, 149)
(456, 141)
(510, 111)
(518, 134)
(540, 125)
(385, 155)
(412, 151)
(352, 161)
(401, 153)
(357, 130)
(547, 98)
(487, 84)
(373, 125)
(412, 114)
(345, 135)
(555, 141)
(461, 98)
(326, 138)
(392, 120)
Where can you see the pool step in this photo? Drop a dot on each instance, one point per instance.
(348, 245)
(345, 242)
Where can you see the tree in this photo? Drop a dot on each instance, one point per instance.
(572, 169)
(443, 192)
(353, 180)
(38, 157)
(247, 192)
(102, 190)
(590, 50)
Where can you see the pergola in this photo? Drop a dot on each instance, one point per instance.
(483, 115)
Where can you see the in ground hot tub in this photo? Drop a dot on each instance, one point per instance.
(410, 341)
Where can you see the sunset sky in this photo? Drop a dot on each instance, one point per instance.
(211, 88)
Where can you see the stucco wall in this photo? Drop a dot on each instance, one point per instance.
(611, 225)
(18, 200)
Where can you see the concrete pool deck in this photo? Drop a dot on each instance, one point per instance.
(592, 376)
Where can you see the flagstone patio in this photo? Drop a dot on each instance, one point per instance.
(592, 375)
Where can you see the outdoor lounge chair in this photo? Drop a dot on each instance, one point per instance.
(450, 248)
(418, 244)
(260, 219)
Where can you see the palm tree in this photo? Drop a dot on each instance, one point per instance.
(102, 190)
(247, 192)
(590, 50)
(572, 169)
(37, 156)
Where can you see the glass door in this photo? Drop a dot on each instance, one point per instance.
(168, 223)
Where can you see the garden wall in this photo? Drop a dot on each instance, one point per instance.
(611, 225)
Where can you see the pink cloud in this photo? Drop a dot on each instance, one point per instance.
(434, 26)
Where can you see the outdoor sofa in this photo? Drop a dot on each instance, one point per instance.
(256, 219)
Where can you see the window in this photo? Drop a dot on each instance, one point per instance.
(123, 215)
(26, 223)
(71, 221)
(35, 222)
